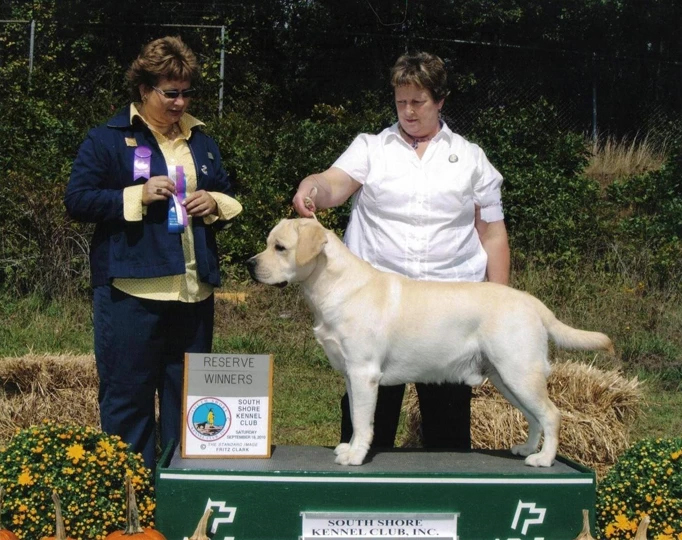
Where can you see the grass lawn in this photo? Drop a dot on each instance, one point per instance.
(644, 327)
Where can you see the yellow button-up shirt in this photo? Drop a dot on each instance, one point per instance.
(183, 287)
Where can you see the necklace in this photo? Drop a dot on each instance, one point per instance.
(415, 140)
(173, 132)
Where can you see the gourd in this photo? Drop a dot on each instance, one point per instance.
(200, 533)
(585, 533)
(60, 531)
(133, 528)
(5, 534)
(641, 530)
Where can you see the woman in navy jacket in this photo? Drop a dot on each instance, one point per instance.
(153, 183)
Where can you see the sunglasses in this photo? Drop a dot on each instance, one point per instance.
(175, 94)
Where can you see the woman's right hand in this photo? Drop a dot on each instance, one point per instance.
(157, 188)
(304, 200)
(331, 188)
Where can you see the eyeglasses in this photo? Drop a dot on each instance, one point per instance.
(175, 94)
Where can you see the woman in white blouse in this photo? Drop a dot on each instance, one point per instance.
(427, 205)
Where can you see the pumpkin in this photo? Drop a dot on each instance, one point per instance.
(200, 533)
(133, 519)
(60, 531)
(5, 534)
(585, 533)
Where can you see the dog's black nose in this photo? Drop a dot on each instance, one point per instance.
(251, 266)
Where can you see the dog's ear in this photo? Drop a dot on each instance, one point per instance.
(312, 238)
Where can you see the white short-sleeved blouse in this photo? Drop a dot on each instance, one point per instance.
(414, 216)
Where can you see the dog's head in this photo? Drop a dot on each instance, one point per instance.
(290, 256)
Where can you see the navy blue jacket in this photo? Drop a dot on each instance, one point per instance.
(140, 249)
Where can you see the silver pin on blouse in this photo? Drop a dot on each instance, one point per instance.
(453, 158)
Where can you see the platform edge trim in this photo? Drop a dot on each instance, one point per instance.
(375, 480)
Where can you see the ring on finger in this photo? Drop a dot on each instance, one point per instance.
(159, 191)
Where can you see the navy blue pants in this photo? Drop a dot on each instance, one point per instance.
(140, 347)
(445, 411)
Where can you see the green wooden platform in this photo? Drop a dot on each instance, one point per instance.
(300, 493)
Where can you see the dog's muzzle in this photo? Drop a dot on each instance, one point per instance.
(252, 265)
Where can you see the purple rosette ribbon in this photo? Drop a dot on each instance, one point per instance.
(142, 163)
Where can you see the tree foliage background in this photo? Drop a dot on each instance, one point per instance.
(529, 80)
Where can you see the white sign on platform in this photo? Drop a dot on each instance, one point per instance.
(357, 526)
(227, 405)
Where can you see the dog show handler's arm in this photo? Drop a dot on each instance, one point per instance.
(328, 189)
(495, 242)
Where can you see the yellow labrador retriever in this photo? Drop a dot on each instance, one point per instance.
(382, 328)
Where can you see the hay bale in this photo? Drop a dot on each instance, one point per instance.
(35, 387)
(597, 408)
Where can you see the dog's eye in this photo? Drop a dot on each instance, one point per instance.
(279, 247)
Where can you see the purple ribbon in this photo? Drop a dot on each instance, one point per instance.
(142, 163)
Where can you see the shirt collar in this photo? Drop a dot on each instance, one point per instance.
(445, 132)
(187, 122)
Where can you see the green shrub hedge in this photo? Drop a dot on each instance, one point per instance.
(555, 215)
(648, 220)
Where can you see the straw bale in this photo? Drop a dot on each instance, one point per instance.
(597, 406)
(597, 409)
(62, 388)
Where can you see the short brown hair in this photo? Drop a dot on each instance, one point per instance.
(164, 58)
(424, 70)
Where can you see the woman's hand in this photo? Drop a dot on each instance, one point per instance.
(157, 188)
(201, 204)
(304, 200)
(331, 188)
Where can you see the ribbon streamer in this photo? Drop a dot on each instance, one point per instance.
(177, 213)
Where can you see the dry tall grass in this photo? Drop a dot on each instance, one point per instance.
(613, 158)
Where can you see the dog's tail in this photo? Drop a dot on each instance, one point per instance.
(568, 337)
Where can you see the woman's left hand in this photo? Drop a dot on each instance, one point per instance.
(201, 204)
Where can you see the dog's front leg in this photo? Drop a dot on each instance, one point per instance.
(362, 393)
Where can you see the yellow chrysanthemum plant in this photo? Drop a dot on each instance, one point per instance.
(87, 468)
(646, 481)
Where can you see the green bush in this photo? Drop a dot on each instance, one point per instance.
(39, 249)
(268, 162)
(554, 214)
(551, 210)
(648, 210)
(646, 480)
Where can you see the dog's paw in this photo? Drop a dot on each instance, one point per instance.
(523, 450)
(349, 456)
(342, 448)
(540, 460)
(356, 457)
(342, 452)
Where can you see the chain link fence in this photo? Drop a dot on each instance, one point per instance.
(592, 94)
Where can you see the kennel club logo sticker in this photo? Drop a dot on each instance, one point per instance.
(227, 405)
(209, 419)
